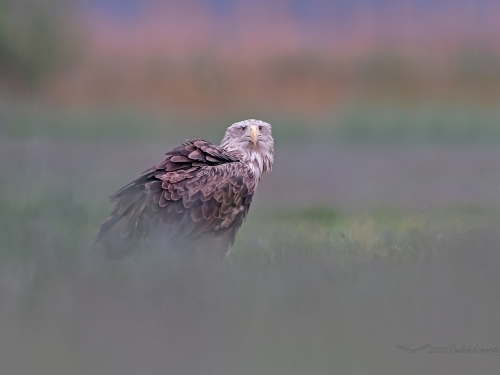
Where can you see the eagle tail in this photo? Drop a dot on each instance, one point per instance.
(114, 237)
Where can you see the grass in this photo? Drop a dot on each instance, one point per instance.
(36, 205)
(304, 290)
(58, 224)
(429, 124)
(326, 233)
(309, 288)
(390, 123)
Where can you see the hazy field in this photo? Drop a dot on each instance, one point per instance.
(362, 238)
(376, 233)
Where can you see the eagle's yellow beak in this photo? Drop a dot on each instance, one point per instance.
(254, 134)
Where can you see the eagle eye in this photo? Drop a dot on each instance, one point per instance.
(260, 127)
(243, 127)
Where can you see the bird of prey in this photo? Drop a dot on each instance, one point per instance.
(194, 200)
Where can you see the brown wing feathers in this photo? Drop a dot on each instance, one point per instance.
(199, 188)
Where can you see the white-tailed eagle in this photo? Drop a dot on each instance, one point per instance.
(196, 199)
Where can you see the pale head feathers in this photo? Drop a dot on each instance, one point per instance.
(253, 142)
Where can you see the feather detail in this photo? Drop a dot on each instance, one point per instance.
(196, 155)
(172, 166)
(163, 201)
(196, 214)
(162, 164)
(206, 210)
(212, 159)
(154, 186)
(180, 159)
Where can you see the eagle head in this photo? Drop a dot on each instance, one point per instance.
(253, 141)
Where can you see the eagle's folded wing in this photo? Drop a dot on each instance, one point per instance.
(199, 188)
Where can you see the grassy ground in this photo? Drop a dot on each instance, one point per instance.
(389, 123)
(317, 286)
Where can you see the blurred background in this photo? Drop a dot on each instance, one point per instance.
(210, 57)
(378, 225)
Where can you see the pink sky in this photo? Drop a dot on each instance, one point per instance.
(259, 29)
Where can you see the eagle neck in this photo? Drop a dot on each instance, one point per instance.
(252, 159)
(258, 160)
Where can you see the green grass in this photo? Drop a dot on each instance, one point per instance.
(392, 123)
(428, 124)
(324, 232)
